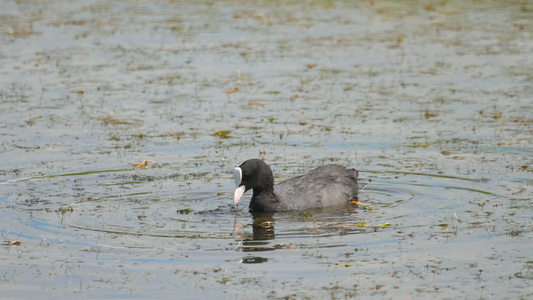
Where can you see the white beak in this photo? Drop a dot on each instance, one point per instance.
(238, 194)
(239, 189)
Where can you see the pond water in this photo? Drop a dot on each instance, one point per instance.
(122, 121)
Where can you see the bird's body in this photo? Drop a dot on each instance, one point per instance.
(324, 186)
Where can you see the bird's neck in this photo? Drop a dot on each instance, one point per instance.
(264, 192)
(263, 199)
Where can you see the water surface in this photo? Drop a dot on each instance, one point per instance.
(122, 121)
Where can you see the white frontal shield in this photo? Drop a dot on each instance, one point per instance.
(239, 189)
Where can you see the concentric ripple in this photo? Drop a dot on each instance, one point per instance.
(135, 208)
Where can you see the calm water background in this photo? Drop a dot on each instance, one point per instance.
(121, 122)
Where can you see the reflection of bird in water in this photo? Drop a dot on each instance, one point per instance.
(324, 186)
(263, 226)
(253, 260)
(258, 239)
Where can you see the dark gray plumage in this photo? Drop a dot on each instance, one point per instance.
(324, 186)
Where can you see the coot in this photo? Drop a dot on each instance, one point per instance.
(324, 186)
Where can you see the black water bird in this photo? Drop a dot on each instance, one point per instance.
(324, 186)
